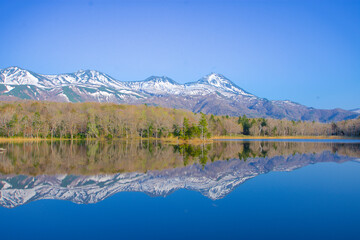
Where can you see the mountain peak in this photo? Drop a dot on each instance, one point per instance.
(219, 81)
(13, 70)
(88, 72)
(213, 74)
(215, 79)
(17, 76)
(160, 79)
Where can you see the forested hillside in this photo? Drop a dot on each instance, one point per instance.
(31, 119)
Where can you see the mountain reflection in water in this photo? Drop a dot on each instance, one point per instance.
(89, 172)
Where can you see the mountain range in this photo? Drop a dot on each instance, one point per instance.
(212, 94)
(215, 180)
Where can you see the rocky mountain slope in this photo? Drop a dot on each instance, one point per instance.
(213, 94)
(215, 180)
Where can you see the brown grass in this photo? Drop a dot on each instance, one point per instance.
(173, 140)
(283, 137)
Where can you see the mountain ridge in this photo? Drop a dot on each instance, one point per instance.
(211, 94)
(357, 110)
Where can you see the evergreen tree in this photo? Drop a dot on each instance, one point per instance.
(245, 122)
(203, 124)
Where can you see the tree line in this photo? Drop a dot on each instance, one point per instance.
(32, 119)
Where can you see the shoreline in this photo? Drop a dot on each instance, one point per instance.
(284, 137)
(172, 140)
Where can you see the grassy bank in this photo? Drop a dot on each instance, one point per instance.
(173, 140)
(22, 139)
(282, 137)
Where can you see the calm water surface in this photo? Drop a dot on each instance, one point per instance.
(224, 190)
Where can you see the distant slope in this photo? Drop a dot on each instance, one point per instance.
(356, 110)
(213, 94)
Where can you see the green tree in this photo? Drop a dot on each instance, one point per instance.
(204, 126)
(246, 124)
(186, 129)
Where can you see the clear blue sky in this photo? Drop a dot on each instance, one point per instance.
(305, 51)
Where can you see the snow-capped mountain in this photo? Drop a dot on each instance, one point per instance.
(18, 76)
(212, 83)
(216, 83)
(155, 85)
(213, 93)
(356, 110)
(215, 180)
(88, 85)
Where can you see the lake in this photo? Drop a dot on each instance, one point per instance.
(228, 189)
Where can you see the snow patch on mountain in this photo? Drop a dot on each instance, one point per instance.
(356, 110)
(9, 88)
(156, 85)
(286, 103)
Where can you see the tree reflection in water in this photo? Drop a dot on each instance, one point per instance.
(109, 157)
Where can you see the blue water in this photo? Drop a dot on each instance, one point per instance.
(320, 201)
